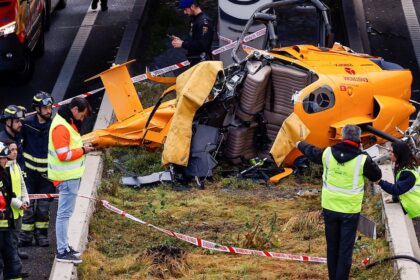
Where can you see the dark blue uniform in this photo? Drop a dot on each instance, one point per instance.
(198, 45)
(36, 217)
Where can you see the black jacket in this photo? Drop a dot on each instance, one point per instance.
(201, 37)
(342, 152)
(406, 181)
(18, 139)
(35, 136)
(6, 189)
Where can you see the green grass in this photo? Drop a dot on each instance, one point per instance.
(228, 211)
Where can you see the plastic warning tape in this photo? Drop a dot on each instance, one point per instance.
(225, 39)
(202, 243)
(255, 35)
(43, 195)
(224, 48)
(231, 44)
(214, 246)
(159, 72)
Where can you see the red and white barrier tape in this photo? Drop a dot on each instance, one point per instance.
(231, 44)
(194, 240)
(225, 39)
(159, 72)
(214, 246)
(255, 35)
(42, 195)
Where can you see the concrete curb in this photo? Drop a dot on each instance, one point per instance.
(79, 222)
(400, 233)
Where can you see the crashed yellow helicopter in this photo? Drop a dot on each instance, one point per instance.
(249, 108)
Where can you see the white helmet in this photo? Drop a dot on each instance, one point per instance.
(4, 150)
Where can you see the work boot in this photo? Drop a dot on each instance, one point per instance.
(104, 8)
(23, 255)
(43, 241)
(24, 243)
(41, 237)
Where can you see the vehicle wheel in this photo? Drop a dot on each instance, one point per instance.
(40, 45)
(23, 75)
(62, 4)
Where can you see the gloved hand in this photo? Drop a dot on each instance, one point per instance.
(16, 203)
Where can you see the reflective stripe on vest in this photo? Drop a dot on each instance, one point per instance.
(28, 227)
(343, 184)
(411, 199)
(4, 223)
(41, 225)
(16, 175)
(35, 163)
(35, 159)
(38, 169)
(64, 170)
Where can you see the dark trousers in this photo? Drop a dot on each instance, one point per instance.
(8, 248)
(340, 233)
(37, 216)
(104, 3)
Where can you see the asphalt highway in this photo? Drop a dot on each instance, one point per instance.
(96, 55)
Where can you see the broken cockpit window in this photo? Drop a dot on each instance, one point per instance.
(319, 100)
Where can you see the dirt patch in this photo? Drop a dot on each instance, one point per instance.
(166, 261)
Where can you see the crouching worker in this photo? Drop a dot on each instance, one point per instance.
(407, 183)
(343, 178)
(12, 266)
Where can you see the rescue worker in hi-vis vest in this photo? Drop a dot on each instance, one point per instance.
(343, 179)
(198, 45)
(20, 201)
(9, 210)
(35, 150)
(12, 117)
(66, 165)
(407, 183)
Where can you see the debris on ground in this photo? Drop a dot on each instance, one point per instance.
(167, 261)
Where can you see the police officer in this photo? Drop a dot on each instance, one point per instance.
(35, 151)
(345, 167)
(198, 45)
(12, 117)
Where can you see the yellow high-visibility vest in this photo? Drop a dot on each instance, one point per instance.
(16, 175)
(342, 183)
(64, 170)
(411, 199)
